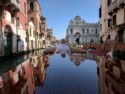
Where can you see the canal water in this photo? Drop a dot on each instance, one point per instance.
(70, 75)
(37, 73)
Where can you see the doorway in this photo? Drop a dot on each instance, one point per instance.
(7, 41)
(77, 41)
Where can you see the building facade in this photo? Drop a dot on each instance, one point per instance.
(34, 15)
(112, 20)
(80, 32)
(9, 27)
(31, 32)
(20, 22)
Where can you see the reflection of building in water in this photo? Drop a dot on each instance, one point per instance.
(39, 65)
(111, 75)
(22, 78)
(18, 80)
(77, 59)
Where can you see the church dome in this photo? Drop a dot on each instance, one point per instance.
(77, 18)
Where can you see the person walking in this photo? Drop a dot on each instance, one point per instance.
(62, 48)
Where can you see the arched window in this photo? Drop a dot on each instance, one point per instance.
(82, 31)
(87, 31)
(31, 6)
(71, 31)
(96, 31)
(25, 8)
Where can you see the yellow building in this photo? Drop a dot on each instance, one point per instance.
(31, 31)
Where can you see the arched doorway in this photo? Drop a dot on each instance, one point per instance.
(77, 40)
(77, 36)
(7, 40)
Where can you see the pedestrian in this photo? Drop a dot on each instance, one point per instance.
(62, 48)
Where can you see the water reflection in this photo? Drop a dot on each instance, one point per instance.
(77, 59)
(21, 75)
(111, 75)
(64, 77)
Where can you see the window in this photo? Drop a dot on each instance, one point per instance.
(30, 32)
(31, 6)
(1, 11)
(17, 22)
(96, 31)
(109, 37)
(71, 31)
(82, 31)
(109, 2)
(109, 22)
(114, 20)
(87, 31)
(100, 12)
(33, 33)
(25, 8)
(12, 18)
(121, 35)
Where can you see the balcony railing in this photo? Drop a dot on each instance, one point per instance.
(15, 4)
(112, 6)
(119, 2)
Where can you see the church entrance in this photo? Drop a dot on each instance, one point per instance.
(77, 36)
(77, 41)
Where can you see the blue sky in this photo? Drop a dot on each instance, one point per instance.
(60, 12)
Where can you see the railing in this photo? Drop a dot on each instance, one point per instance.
(112, 6)
(16, 3)
(119, 2)
(115, 5)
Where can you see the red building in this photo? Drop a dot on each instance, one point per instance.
(8, 27)
(18, 80)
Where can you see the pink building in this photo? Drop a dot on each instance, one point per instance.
(18, 80)
(22, 27)
(39, 64)
(34, 15)
(13, 27)
(8, 27)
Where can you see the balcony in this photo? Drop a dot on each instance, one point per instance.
(120, 2)
(113, 6)
(41, 34)
(15, 5)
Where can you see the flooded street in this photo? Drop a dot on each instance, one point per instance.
(70, 75)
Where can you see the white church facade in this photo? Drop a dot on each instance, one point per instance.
(79, 32)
